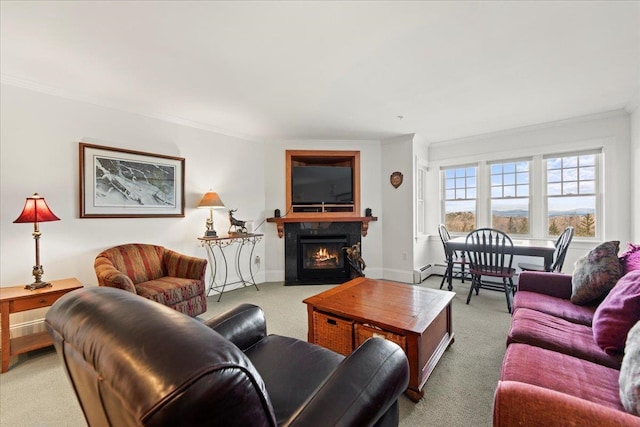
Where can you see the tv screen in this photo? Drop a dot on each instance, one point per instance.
(321, 184)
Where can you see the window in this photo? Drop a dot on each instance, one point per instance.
(510, 196)
(572, 186)
(460, 193)
(420, 199)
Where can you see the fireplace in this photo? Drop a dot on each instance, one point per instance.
(323, 258)
(315, 254)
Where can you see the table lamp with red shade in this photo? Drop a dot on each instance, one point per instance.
(36, 211)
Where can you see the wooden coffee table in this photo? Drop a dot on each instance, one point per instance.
(416, 318)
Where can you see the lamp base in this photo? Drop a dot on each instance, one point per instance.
(210, 233)
(37, 285)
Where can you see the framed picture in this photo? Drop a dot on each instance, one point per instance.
(117, 183)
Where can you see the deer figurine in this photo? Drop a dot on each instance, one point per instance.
(239, 225)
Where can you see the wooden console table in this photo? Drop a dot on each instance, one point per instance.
(15, 299)
(418, 319)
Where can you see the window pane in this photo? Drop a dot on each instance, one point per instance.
(510, 215)
(496, 168)
(471, 193)
(522, 177)
(460, 216)
(449, 184)
(570, 162)
(588, 173)
(554, 176)
(570, 188)
(554, 164)
(554, 189)
(509, 179)
(509, 191)
(496, 191)
(522, 166)
(570, 174)
(587, 187)
(496, 179)
(471, 181)
(522, 191)
(589, 159)
(579, 212)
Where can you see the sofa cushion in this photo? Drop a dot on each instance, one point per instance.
(553, 333)
(631, 258)
(308, 366)
(563, 373)
(564, 308)
(596, 273)
(170, 290)
(617, 314)
(630, 372)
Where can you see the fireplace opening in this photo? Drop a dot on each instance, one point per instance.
(323, 258)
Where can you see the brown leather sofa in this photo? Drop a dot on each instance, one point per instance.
(132, 362)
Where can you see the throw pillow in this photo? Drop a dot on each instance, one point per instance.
(631, 258)
(596, 273)
(617, 314)
(629, 379)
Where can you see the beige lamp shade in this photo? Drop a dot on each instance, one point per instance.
(211, 200)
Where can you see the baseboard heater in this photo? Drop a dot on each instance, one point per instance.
(421, 274)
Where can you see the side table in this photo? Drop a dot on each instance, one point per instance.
(220, 242)
(15, 299)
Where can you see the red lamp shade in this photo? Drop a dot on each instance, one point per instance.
(36, 210)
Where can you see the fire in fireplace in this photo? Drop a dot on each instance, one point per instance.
(323, 258)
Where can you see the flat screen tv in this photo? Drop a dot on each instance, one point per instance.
(321, 184)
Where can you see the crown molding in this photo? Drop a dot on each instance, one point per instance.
(59, 92)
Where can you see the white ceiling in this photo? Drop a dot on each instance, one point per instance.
(331, 70)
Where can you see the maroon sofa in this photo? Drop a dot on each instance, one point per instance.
(553, 371)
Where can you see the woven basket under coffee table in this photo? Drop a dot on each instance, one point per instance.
(416, 318)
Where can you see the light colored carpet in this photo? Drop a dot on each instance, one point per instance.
(35, 391)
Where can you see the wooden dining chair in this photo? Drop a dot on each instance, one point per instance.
(456, 261)
(490, 254)
(562, 244)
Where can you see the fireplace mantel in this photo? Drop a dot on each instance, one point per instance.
(363, 220)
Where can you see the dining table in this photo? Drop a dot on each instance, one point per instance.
(526, 247)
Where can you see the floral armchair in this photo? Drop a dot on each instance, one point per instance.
(155, 273)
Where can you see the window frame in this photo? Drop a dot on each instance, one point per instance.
(528, 198)
(443, 193)
(597, 194)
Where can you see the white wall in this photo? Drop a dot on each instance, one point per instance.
(370, 197)
(610, 131)
(397, 209)
(39, 153)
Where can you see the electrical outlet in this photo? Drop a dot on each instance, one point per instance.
(257, 260)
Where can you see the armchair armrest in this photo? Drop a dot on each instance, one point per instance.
(517, 404)
(553, 284)
(185, 266)
(108, 275)
(243, 325)
(361, 389)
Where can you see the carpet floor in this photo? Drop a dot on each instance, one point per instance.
(36, 393)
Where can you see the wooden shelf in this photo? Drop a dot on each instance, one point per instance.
(364, 220)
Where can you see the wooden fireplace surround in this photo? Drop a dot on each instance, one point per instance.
(323, 157)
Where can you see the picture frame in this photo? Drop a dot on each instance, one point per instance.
(120, 183)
